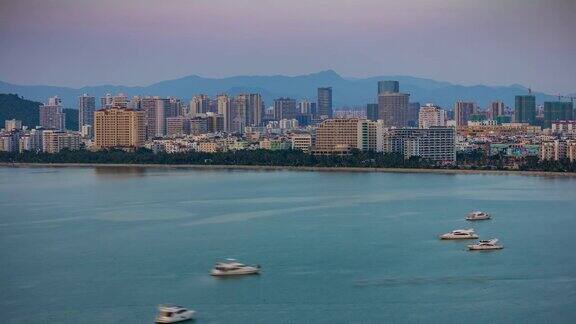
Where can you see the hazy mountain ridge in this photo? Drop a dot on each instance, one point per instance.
(346, 91)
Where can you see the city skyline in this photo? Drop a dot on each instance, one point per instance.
(468, 42)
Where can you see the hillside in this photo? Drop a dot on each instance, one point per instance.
(14, 107)
(346, 92)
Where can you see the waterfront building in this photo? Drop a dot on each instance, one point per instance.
(303, 142)
(462, 112)
(12, 125)
(431, 116)
(372, 111)
(525, 109)
(555, 111)
(337, 136)
(370, 135)
(31, 141)
(119, 128)
(9, 141)
(393, 108)
(54, 141)
(388, 87)
(436, 143)
(51, 114)
(86, 109)
(324, 102)
(553, 150)
(285, 108)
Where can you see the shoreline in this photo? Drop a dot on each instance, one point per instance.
(288, 168)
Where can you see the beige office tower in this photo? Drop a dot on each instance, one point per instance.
(431, 115)
(224, 110)
(119, 128)
(155, 109)
(393, 108)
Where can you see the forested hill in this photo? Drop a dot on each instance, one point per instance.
(14, 107)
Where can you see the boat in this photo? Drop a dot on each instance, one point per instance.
(173, 314)
(459, 234)
(477, 215)
(231, 267)
(485, 245)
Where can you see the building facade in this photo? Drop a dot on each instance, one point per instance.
(119, 128)
(52, 115)
(462, 112)
(525, 109)
(86, 109)
(393, 109)
(324, 103)
(431, 116)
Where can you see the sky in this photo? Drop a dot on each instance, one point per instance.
(140, 42)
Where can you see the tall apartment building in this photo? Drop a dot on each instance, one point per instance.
(215, 123)
(54, 141)
(462, 112)
(254, 109)
(324, 103)
(393, 108)
(285, 108)
(431, 116)
(388, 87)
(86, 109)
(51, 114)
(525, 109)
(303, 142)
(496, 109)
(177, 126)
(412, 114)
(556, 150)
(200, 104)
(372, 112)
(557, 111)
(12, 124)
(238, 112)
(106, 101)
(435, 143)
(224, 110)
(305, 107)
(155, 113)
(119, 128)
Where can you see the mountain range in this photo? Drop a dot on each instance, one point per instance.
(346, 91)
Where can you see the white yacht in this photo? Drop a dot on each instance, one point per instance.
(232, 267)
(173, 314)
(486, 245)
(459, 234)
(477, 215)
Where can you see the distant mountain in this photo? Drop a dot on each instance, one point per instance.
(346, 91)
(14, 107)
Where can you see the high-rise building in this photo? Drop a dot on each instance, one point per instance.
(215, 123)
(372, 112)
(462, 112)
(497, 108)
(238, 108)
(200, 104)
(198, 125)
(324, 102)
(51, 114)
(119, 128)
(393, 108)
(12, 124)
(106, 101)
(224, 110)
(155, 112)
(285, 108)
(431, 116)
(412, 114)
(86, 108)
(525, 109)
(53, 141)
(388, 87)
(557, 111)
(305, 107)
(177, 126)
(254, 110)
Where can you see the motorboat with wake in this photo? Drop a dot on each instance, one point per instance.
(173, 314)
(483, 245)
(477, 215)
(231, 267)
(459, 234)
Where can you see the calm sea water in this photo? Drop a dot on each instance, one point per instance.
(105, 245)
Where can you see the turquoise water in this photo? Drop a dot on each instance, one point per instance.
(85, 245)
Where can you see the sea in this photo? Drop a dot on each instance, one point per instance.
(110, 244)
